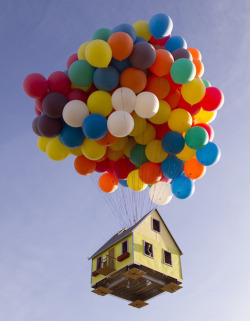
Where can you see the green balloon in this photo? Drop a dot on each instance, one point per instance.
(138, 156)
(183, 71)
(81, 73)
(206, 83)
(196, 137)
(103, 34)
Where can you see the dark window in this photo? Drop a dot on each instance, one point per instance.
(156, 225)
(124, 247)
(167, 257)
(99, 263)
(148, 249)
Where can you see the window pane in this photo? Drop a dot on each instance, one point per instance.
(167, 258)
(124, 247)
(148, 249)
(156, 225)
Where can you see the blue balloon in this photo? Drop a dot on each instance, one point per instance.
(120, 65)
(174, 43)
(123, 182)
(139, 39)
(182, 187)
(209, 154)
(172, 167)
(160, 25)
(95, 126)
(106, 79)
(173, 142)
(71, 137)
(125, 27)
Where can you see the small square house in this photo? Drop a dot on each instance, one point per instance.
(138, 263)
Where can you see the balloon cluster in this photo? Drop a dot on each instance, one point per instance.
(131, 105)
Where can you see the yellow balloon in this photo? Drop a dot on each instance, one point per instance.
(56, 150)
(131, 143)
(78, 87)
(76, 151)
(42, 143)
(163, 113)
(134, 181)
(114, 155)
(142, 29)
(186, 154)
(120, 144)
(98, 53)
(148, 135)
(99, 102)
(92, 150)
(155, 152)
(139, 125)
(180, 120)
(194, 91)
(81, 51)
(204, 116)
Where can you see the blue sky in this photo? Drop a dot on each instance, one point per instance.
(52, 219)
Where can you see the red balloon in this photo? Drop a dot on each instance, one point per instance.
(102, 166)
(161, 130)
(59, 82)
(165, 179)
(39, 104)
(160, 42)
(37, 111)
(213, 99)
(111, 166)
(123, 167)
(77, 94)
(72, 59)
(192, 109)
(209, 130)
(35, 85)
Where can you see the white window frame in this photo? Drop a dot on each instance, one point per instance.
(164, 258)
(144, 249)
(126, 241)
(97, 261)
(152, 222)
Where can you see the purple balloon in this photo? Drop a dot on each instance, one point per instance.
(49, 127)
(143, 55)
(53, 105)
(181, 53)
(34, 126)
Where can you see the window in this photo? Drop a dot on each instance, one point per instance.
(125, 247)
(99, 263)
(148, 249)
(167, 257)
(156, 226)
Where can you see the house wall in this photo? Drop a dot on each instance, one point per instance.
(160, 241)
(118, 252)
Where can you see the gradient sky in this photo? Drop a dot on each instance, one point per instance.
(52, 219)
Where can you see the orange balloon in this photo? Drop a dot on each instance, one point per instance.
(84, 166)
(134, 79)
(163, 63)
(150, 173)
(199, 67)
(108, 182)
(193, 169)
(158, 86)
(195, 53)
(121, 44)
(107, 140)
(173, 98)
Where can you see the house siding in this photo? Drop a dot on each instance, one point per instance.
(161, 241)
(118, 252)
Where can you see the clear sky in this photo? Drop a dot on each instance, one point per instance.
(52, 219)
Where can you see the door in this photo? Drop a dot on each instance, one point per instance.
(111, 258)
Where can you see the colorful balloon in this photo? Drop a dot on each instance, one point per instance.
(49, 127)
(134, 79)
(173, 142)
(142, 29)
(53, 105)
(59, 82)
(172, 167)
(182, 187)
(137, 155)
(196, 137)
(143, 55)
(134, 181)
(163, 63)
(209, 154)
(81, 73)
(180, 120)
(35, 85)
(95, 126)
(71, 137)
(106, 78)
(147, 136)
(84, 166)
(150, 173)
(194, 91)
(98, 53)
(174, 43)
(56, 150)
(120, 123)
(154, 152)
(108, 182)
(92, 150)
(124, 99)
(182, 71)
(147, 105)
(213, 99)
(160, 25)
(193, 169)
(74, 113)
(160, 193)
(121, 45)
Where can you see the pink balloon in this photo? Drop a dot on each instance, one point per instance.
(213, 99)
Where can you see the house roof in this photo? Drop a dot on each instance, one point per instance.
(124, 233)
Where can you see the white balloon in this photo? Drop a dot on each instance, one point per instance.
(147, 104)
(120, 123)
(124, 99)
(160, 193)
(74, 113)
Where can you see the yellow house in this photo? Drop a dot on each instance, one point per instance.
(138, 263)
